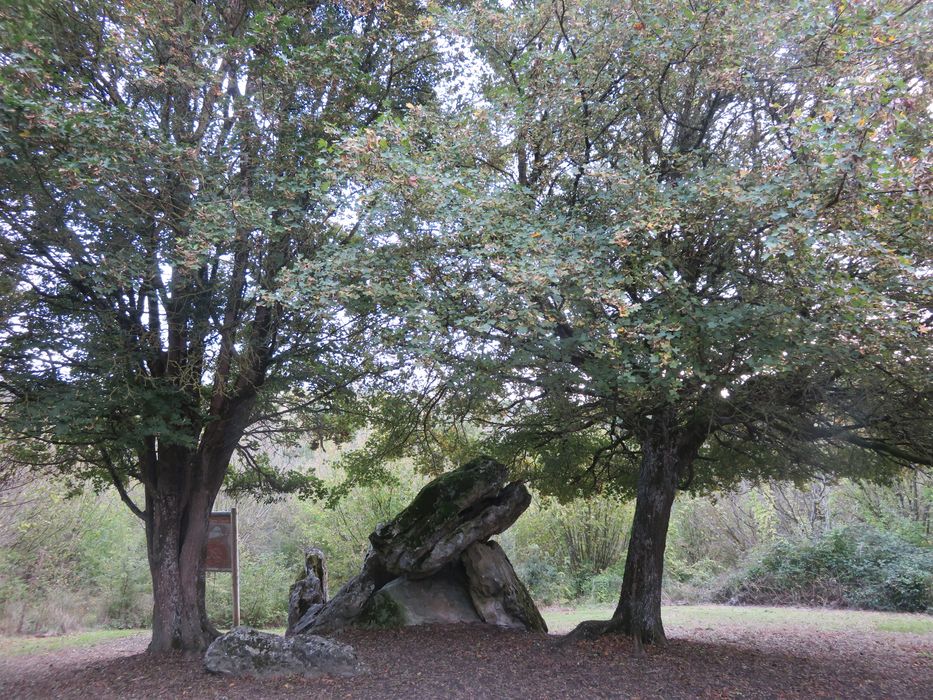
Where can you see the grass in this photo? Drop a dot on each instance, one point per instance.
(17, 646)
(560, 620)
(20, 645)
(909, 625)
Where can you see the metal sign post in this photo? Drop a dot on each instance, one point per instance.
(222, 552)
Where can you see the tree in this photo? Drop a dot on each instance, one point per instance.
(166, 189)
(671, 245)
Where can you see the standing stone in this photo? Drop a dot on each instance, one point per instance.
(498, 594)
(309, 592)
(344, 608)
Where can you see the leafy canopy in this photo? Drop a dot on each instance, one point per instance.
(167, 190)
(717, 215)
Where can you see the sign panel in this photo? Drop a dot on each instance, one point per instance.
(221, 554)
(220, 543)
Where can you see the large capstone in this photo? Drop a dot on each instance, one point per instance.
(449, 514)
(244, 651)
(424, 565)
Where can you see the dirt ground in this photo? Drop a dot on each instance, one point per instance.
(474, 661)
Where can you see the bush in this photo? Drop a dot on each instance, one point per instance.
(70, 563)
(697, 573)
(112, 567)
(264, 584)
(605, 587)
(547, 584)
(855, 566)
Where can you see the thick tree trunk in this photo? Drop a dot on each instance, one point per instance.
(667, 454)
(639, 610)
(181, 486)
(176, 533)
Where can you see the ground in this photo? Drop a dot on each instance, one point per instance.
(715, 652)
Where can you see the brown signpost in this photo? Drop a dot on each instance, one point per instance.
(222, 552)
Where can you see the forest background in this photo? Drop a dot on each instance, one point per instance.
(71, 562)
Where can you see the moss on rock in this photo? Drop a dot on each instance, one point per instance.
(382, 612)
(443, 499)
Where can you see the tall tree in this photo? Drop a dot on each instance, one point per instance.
(668, 245)
(165, 176)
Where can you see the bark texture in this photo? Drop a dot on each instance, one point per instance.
(181, 486)
(667, 454)
(176, 534)
(639, 610)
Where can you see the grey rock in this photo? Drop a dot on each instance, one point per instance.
(309, 592)
(343, 609)
(449, 514)
(497, 593)
(303, 623)
(425, 543)
(244, 651)
(439, 599)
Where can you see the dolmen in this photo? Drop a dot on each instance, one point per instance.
(434, 563)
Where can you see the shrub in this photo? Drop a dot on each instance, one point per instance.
(111, 566)
(547, 584)
(264, 584)
(605, 587)
(855, 566)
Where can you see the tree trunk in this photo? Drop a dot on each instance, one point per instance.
(181, 486)
(176, 535)
(639, 610)
(667, 454)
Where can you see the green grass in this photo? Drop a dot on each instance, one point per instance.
(911, 625)
(16, 646)
(560, 620)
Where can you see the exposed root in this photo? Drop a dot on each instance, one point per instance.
(593, 629)
(589, 629)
